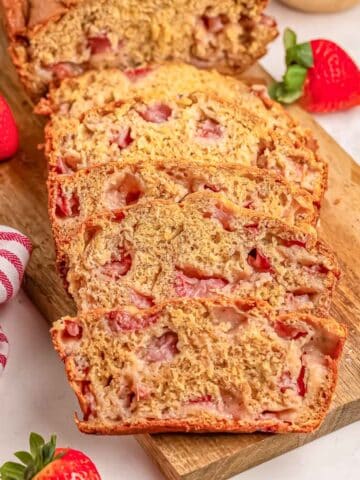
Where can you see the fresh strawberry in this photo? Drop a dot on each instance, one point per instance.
(45, 462)
(9, 138)
(319, 73)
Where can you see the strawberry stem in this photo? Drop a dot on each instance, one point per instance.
(298, 59)
(41, 454)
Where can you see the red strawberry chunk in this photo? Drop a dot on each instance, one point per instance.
(157, 113)
(163, 348)
(252, 227)
(138, 73)
(215, 24)
(63, 70)
(123, 138)
(72, 330)
(249, 204)
(201, 399)
(122, 321)
(62, 167)
(319, 269)
(118, 266)
(290, 332)
(66, 206)
(258, 261)
(223, 215)
(213, 188)
(99, 44)
(209, 129)
(286, 382)
(140, 300)
(293, 243)
(197, 286)
(301, 385)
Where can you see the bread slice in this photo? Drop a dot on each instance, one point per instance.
(95, 88)
(199, 127)
(73, 198)
(53, 40)
(196, 365)
(205, 246)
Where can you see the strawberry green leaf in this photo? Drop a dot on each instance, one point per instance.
(36, 442)
(41, 455)
(12, 470)
(294, 78)
(24, 457)
(301, 55)
(289, 38)
(288, 97)
(298, 58)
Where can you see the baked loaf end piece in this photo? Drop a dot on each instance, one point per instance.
(202, 247)
(58, 40)
(200, 365)
(199, 127)
(73, 198)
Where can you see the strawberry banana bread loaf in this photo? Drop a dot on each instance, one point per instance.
(205, 246)
(73, 198)
(200, 127)
(65, 38)
(200, 365)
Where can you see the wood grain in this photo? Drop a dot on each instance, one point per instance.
(23, 205)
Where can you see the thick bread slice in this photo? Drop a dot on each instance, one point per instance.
(199, 127)
(215, 365)
(53, 40)
(73, 198)
(96, 88)
(204, 246)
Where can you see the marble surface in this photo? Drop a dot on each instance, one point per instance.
(33, 391)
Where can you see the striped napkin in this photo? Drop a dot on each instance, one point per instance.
(15, 249)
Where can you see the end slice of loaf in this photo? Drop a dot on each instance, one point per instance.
(58, 40)
(73, 198)
(199, 127)
(201, 247)
(215, 365)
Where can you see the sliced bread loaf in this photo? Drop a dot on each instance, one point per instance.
(202, 247)
(200, 366)
(73, 198)
(199, 127)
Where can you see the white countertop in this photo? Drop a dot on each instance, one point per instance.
(33, 390)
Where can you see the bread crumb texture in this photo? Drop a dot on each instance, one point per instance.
(193, 365)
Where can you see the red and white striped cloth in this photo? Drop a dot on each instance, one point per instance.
(15, 249)
(4, 350)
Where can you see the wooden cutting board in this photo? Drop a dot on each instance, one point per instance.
(193, 457)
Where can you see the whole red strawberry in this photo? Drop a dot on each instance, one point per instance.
(319, 73)
(45, 462)
(9, 137)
